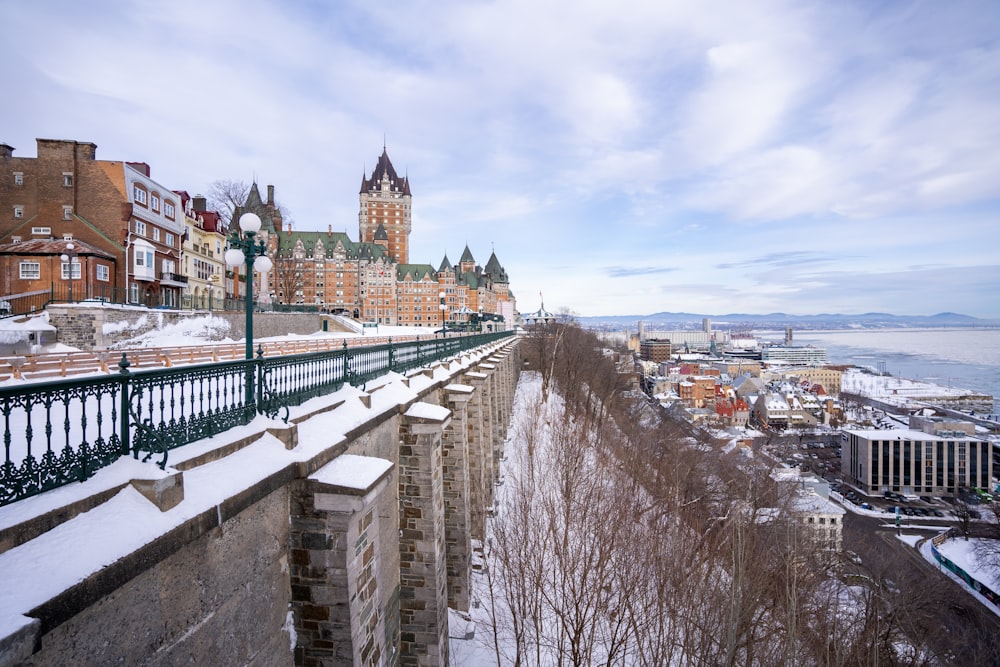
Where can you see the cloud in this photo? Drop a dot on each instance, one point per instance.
(628, 271)
(746, 150)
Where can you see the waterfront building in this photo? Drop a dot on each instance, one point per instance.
(804, 356)
(916, 462)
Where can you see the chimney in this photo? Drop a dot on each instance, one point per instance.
(86, 150)
(140, 166)
(270, 195)
(329, 230)
(6, 151)
(199, 203)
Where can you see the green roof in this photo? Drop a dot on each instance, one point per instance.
(417, 272)
(329, 240)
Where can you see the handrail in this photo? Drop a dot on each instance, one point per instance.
(63, 431)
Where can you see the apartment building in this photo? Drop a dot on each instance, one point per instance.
(113, 208)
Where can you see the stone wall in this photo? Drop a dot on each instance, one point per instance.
(225, 594)
(105, 327)
(348, 555)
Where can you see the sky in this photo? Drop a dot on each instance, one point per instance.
(838, 156)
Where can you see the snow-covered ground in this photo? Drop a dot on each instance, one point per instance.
(197, 330)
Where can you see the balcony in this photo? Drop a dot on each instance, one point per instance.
(173, 279)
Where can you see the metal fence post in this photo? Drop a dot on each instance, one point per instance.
(125, 425)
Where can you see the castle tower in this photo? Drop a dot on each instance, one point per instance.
(385, 204)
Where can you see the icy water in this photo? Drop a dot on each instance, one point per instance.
(965, 358)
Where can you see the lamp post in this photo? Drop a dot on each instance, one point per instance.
(69, 259)
(443, 306)
(245, 250)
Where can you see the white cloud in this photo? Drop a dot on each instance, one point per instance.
(568, 135)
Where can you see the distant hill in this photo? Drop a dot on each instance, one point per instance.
(770, 321)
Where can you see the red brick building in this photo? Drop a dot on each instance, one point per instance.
(114, 207)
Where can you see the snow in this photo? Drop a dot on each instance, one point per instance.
(952, 548)
(36, 571)
(352, 472)
(428, 411)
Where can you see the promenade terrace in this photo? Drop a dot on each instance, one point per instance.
(330, 521)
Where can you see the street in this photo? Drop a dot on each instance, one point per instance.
(925, 602)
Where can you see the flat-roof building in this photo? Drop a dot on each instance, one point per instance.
(909, 461)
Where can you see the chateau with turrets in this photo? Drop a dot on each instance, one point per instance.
(372, 279)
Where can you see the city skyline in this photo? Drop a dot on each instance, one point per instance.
(718, 157)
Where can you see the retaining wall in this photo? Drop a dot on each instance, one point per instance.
(345, 547)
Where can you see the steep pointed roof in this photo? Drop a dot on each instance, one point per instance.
(446, 265)
(254, 204)
(467, 255)
(382, 169)
(253, 201)
(380, 233)
(495, 270)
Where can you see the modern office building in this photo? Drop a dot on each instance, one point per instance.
(916, 462)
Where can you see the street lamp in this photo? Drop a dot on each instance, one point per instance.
(252, 254)
(69, 259)
(443, 306)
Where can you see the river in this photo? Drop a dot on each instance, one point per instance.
(964, 358)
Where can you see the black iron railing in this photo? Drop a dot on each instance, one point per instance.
(55, 433)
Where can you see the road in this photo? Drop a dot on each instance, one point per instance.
(957, 627)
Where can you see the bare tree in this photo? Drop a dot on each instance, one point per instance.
(225, 196)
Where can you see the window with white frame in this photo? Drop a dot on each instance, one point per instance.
(133, 293)
(103, 272)
(18, 178)
(168, 238)
(41, 231)
(71, 270)
(154, 202)
(67, 212)
(143, 258)
(168, 209)
(169, 266)
(67, 179)
(156, 234)
(31, 270)
(18, 212)
(139, 194)
(140, 227)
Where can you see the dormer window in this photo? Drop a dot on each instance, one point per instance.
(139, 194)
(154, 202)
(168, 209)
